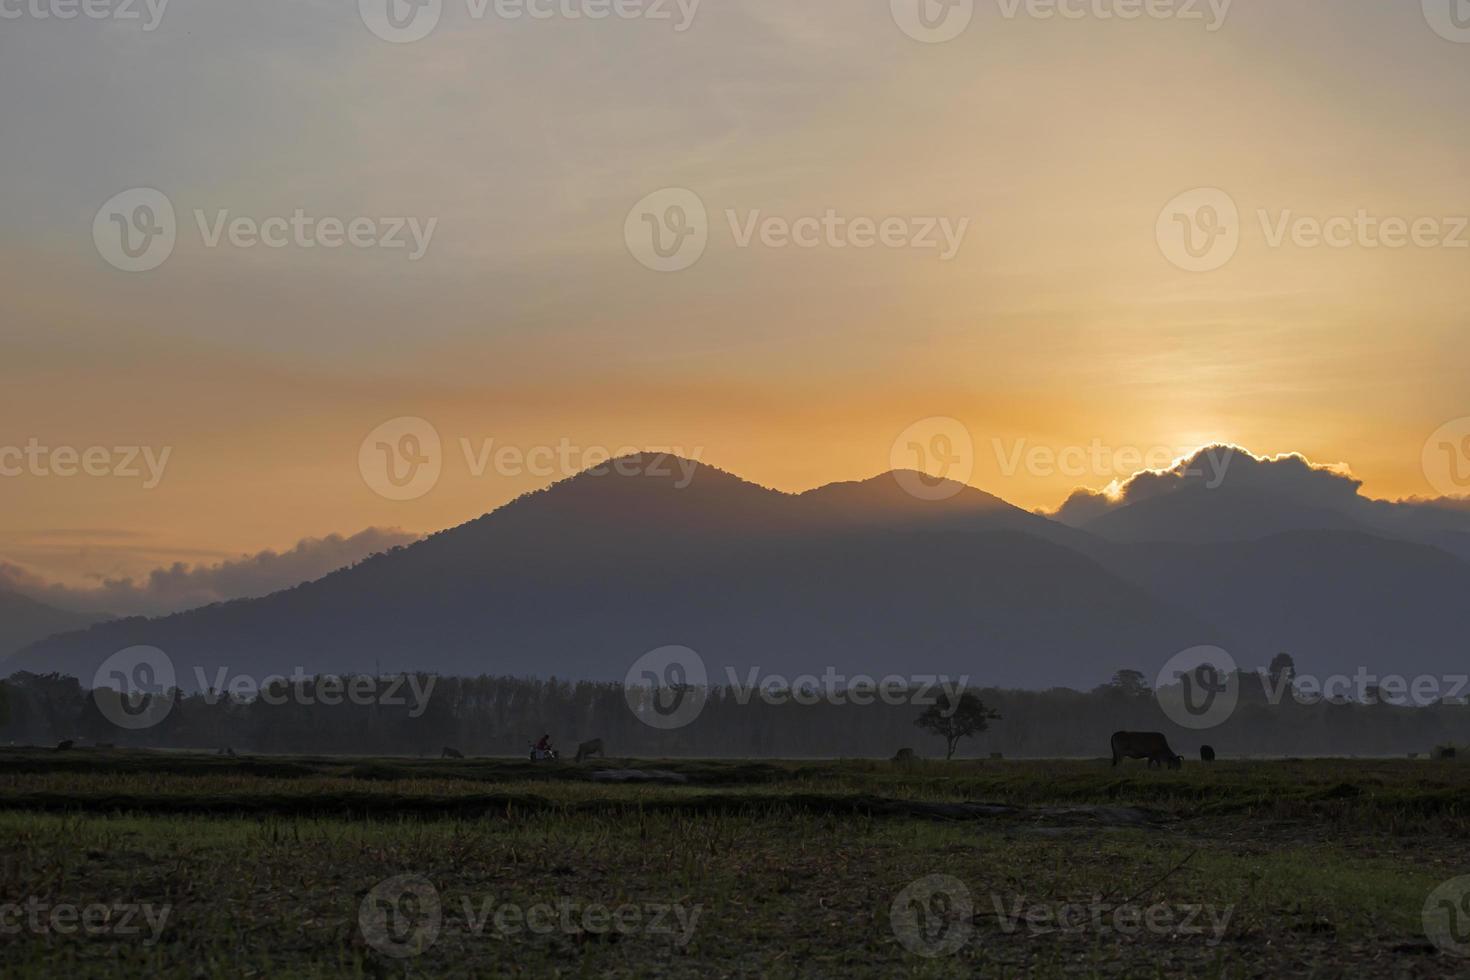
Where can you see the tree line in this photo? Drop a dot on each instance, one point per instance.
(500, 716)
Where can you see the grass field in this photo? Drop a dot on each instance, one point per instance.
(119, 863)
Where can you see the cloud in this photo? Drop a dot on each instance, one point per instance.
(181, 586)
(1289, 477)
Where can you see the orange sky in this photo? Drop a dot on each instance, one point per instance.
(1060, 322)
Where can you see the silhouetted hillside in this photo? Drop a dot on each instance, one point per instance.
(23, 621)
(580, 579)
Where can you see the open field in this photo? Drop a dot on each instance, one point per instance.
(271, 866)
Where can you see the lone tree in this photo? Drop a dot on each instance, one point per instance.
(969, 718)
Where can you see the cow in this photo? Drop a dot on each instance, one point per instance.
(590, 748)
(904, 755)
(1446, 752)
(451, 753)
(1206, 753)
(65, 744)
(1145, 745)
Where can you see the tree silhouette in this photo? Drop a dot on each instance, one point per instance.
(969, 718)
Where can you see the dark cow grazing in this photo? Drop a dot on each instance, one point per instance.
(1145, 745)
(62, 746)
(450, 753)
(1206, 753)
(590, 748)
(904, 755)
(1447, 752)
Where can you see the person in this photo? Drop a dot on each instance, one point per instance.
(544, 745)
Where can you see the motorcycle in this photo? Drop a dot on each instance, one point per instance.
(543, 755)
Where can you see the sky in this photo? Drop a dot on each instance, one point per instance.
(1032, 295)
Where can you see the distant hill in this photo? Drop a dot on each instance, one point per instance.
(579, 580)
(583, 578)
(23, 621)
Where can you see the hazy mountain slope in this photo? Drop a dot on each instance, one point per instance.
(1200, 515)
(583, 578)
(23, 621)
(1334, 599)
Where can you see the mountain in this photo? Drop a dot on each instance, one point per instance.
(1336, 600)
(23, 621)
(1196, 514)
(581, 579)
